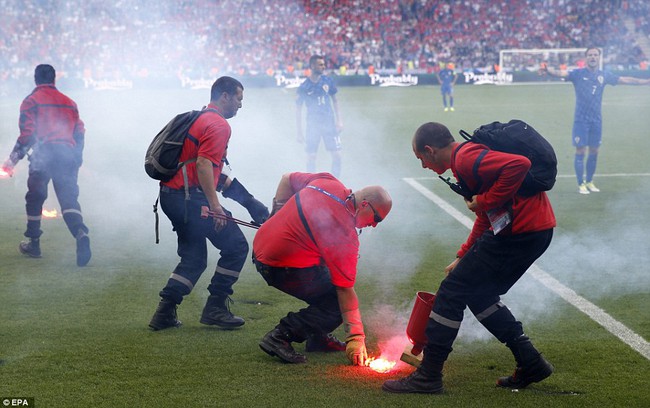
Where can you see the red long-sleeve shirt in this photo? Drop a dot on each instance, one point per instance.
(501, 175)
(48, 116)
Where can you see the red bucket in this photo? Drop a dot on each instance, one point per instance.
(415, 331)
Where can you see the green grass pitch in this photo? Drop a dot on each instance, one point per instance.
(78, 337)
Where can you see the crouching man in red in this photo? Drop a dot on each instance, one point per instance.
(308, 249)
(489, 263)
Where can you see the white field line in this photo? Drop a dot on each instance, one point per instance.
(608, 175)
(598, 175)
(638, 343)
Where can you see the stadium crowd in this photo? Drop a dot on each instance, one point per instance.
(638, 11)
(153, 39)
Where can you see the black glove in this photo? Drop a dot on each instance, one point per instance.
(257, 210)
(16, 155)
(236, 191)
(221, 182)
(18, 152)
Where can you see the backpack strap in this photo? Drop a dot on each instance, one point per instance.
(192, 160)
(193, 139)
(155, 212)
(477, 163)
(302, 217)
(475, 167)
(461, 182)
(465, 135)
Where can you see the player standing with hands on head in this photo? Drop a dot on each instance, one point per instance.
(309, 249)
(51, 127)
(589, 84)
(447, 78)
(318, 93)
(205, 150)
(488, 264)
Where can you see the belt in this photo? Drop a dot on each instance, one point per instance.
(265, 269)
(166, 189)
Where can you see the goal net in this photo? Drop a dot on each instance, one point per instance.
(513, 60)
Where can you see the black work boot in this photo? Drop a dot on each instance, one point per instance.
(31, 248)
(531, 366)
(83, 248)
(323, 342)
(165, 316)
(418, 382)
(278, 343)
(217, 313)
(532, 372)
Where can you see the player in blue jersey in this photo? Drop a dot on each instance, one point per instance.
(318, 93)
(589, 84)
(447, 78)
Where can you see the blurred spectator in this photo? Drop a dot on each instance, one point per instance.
(148, 38)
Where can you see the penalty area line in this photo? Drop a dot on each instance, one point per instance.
(598, 315)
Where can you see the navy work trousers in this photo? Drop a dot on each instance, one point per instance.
(59, 163)
(489, 269)
(312, 285)
(192, 232)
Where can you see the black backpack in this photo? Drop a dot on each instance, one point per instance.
(161, 161)
(517, 137)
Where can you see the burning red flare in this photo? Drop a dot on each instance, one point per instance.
(50, 213)
(380, 365)
(4, 174)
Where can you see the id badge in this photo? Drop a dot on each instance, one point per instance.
(499, 219)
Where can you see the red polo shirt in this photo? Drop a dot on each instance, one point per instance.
(283, 241)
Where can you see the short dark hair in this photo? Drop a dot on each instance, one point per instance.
(432, 134)
(225, 84)
(44, 74)
(314, 58)
(593, 48)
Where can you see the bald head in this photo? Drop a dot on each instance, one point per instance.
(378, 197)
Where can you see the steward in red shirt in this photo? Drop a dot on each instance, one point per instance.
(206, 147)
(510, 232)
(50, 126)
(308, 249)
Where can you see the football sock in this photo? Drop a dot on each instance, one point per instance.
(579, 165)
(592, 159)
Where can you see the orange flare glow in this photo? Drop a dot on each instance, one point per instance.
(50, 214)
(380, 365)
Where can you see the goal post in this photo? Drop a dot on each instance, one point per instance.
(519, 59)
